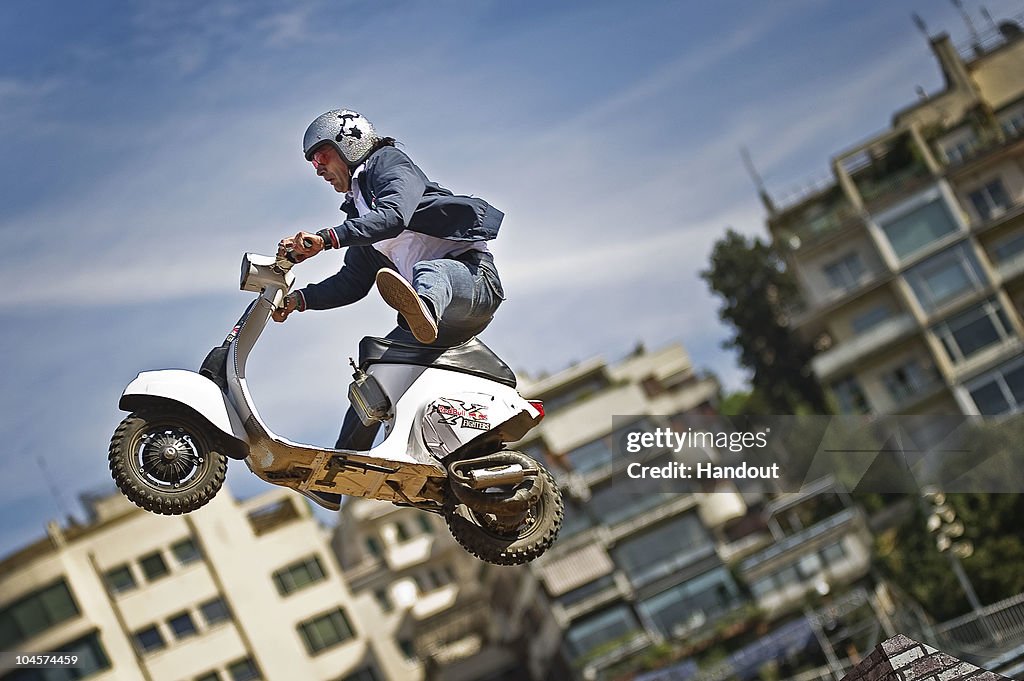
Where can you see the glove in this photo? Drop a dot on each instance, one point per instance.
(293, 302)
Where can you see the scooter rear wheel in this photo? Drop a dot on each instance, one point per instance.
(493, 540)
(166, 462)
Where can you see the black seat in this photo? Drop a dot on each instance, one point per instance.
(471, 357)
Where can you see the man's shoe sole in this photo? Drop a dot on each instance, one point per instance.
(400, 295)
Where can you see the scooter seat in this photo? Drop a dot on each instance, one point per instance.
(471, 357)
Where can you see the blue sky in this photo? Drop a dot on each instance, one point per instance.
(145, 145)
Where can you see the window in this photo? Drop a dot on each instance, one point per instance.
(959, 149)
(149, 639)
(372, 546)
(846, 272)
(364, 674)
(401, 534)
(612, 502)
(969, 332)
(153, 566)
(574, 520)
(186, 551)
(325, 631)
(691, 603)
(35, 613)
(407, 648)
(244, 670)
(849, 397)
(600, 453)
(870, 318)
(120, 579)
(834, 554)
(182, 625)
(299, 575)
(663, 549)
(613, 624)
(941, 279)
(383, 600)
(584, 592)
(92, 659)
(991, 200)
(424, 522)
(215, 611)
(1013, 125)
(920, 227)
(810, 565)
(1000, 391)
(1009, 246)
(908, 379)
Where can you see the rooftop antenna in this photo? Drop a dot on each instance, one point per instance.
(54, 491)
(921, 26)
(766, 199)
(988, 17)
(975, 43)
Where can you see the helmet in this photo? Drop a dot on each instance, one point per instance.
(347, 131)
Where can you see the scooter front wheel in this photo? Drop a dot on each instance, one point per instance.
(166, 461)
(508, 540)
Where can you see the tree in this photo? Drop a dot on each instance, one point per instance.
(751, 279)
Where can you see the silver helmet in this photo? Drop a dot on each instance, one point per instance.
(348, 131)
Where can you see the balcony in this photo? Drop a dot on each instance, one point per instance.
(835, 298)
(846, 353)
(813, 222)
(999, 216)
(795, 541)
(887, 169)
(1012, 268)
(987, 145)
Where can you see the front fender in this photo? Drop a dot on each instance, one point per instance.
(198, 393)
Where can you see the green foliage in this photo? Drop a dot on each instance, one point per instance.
(907, 554)
(750, 278)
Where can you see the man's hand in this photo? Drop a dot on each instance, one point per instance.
(290, 304)
(298, 246)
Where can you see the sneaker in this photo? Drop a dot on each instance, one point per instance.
(400, 295)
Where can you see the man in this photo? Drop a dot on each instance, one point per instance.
(424, 247)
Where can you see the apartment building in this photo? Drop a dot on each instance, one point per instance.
(232, 592)
(452, 616)
(628, 570)
(910, 257)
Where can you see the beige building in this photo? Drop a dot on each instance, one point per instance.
(911, 258)
(628, 570)
(454, 617)
(231, 592)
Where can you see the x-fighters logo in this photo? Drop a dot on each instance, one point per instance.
(466, 414)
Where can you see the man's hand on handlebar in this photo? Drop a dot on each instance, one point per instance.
(291, 303)
(300, 247)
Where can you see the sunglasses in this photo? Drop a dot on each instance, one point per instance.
(320, 158)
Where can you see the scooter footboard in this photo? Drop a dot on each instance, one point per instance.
(308, 468)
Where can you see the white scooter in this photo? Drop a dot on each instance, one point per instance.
(447, 415)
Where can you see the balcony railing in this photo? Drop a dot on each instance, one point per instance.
(849, 351)
(781, 547)
(893, 184)
(988, 143)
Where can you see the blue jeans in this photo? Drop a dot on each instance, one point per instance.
(464, 295)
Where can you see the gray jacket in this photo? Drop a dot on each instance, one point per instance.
(401, 197)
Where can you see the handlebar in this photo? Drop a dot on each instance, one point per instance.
(290, 254)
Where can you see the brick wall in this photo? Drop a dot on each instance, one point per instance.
(904, 659)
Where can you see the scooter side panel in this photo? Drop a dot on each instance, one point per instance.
(190, 389)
